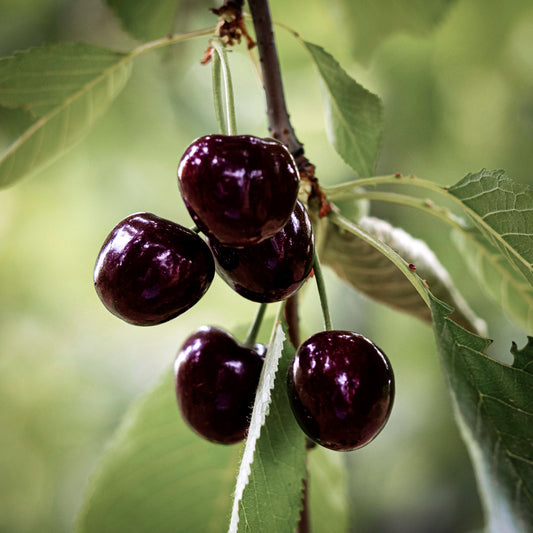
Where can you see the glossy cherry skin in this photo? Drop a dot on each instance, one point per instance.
(151, 270)
(341, 389)
(216, 380)
(273, 269)
(238, 189)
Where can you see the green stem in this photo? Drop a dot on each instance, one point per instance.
(425, 205)
(338, 191)
(321, 286)
(254, 328)
(217, 95)
(228, 87)
(171, 39)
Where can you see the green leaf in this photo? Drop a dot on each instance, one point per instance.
(354, 116)
(371, 23)
(13, 122)
(502, 210)
(328, 490)
(370, 271)
(66, 87)
(507, 286)
(157, 475)
(145, 19)
(494, 408)
(268, 494)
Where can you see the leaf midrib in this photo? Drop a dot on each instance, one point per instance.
(65, 104)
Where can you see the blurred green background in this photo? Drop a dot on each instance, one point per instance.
(456, 79)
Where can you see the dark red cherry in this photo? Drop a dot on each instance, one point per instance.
(239, 189)
(216, 379)
(150, 270)
(341, 389)
(273, 269)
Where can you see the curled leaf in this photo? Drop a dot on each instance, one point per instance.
(373, 274)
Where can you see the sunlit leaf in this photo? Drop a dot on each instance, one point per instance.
(372, 273)
(157, 475)
(502, 210)
(66, 87)
(268, 494)
(145, 19)
(494, 408)
(354, 116)
(507, 286)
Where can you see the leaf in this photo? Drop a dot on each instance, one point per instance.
(371, 23)
(369, 271)
(157, 475)
(328, 490)
(493, 405)
(507, 286)
(354, 116)
(268, 494)
(13, 122)
(66, 87)
(502, 210)
(145, 19)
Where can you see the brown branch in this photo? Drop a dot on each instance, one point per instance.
(279, 123)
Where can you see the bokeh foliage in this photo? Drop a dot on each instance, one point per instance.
(457, 97)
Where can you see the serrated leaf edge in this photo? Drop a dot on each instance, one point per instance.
(468, 432)
(259, 414)
(332, 102)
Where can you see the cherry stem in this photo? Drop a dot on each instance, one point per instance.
(255, 326)
(322, 293)
(221, 70)
(217, 95)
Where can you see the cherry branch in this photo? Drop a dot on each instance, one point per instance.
(279, 123)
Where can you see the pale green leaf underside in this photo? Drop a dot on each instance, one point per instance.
(507, 286)
(269, 486)
(502, 210)
(354, 116)
(145, 19)
(372, 273)
(494, 408)
(66, 87)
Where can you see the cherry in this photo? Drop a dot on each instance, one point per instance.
(150, 269)
(273, 269)
(216, 379)
(239, 189)
(341, 389)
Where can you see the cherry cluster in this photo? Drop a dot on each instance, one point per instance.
(241, 192)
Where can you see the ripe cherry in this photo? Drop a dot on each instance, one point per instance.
(341, 389)
(273, 269)
(239, 189)
(150, 270)
(216, 379)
